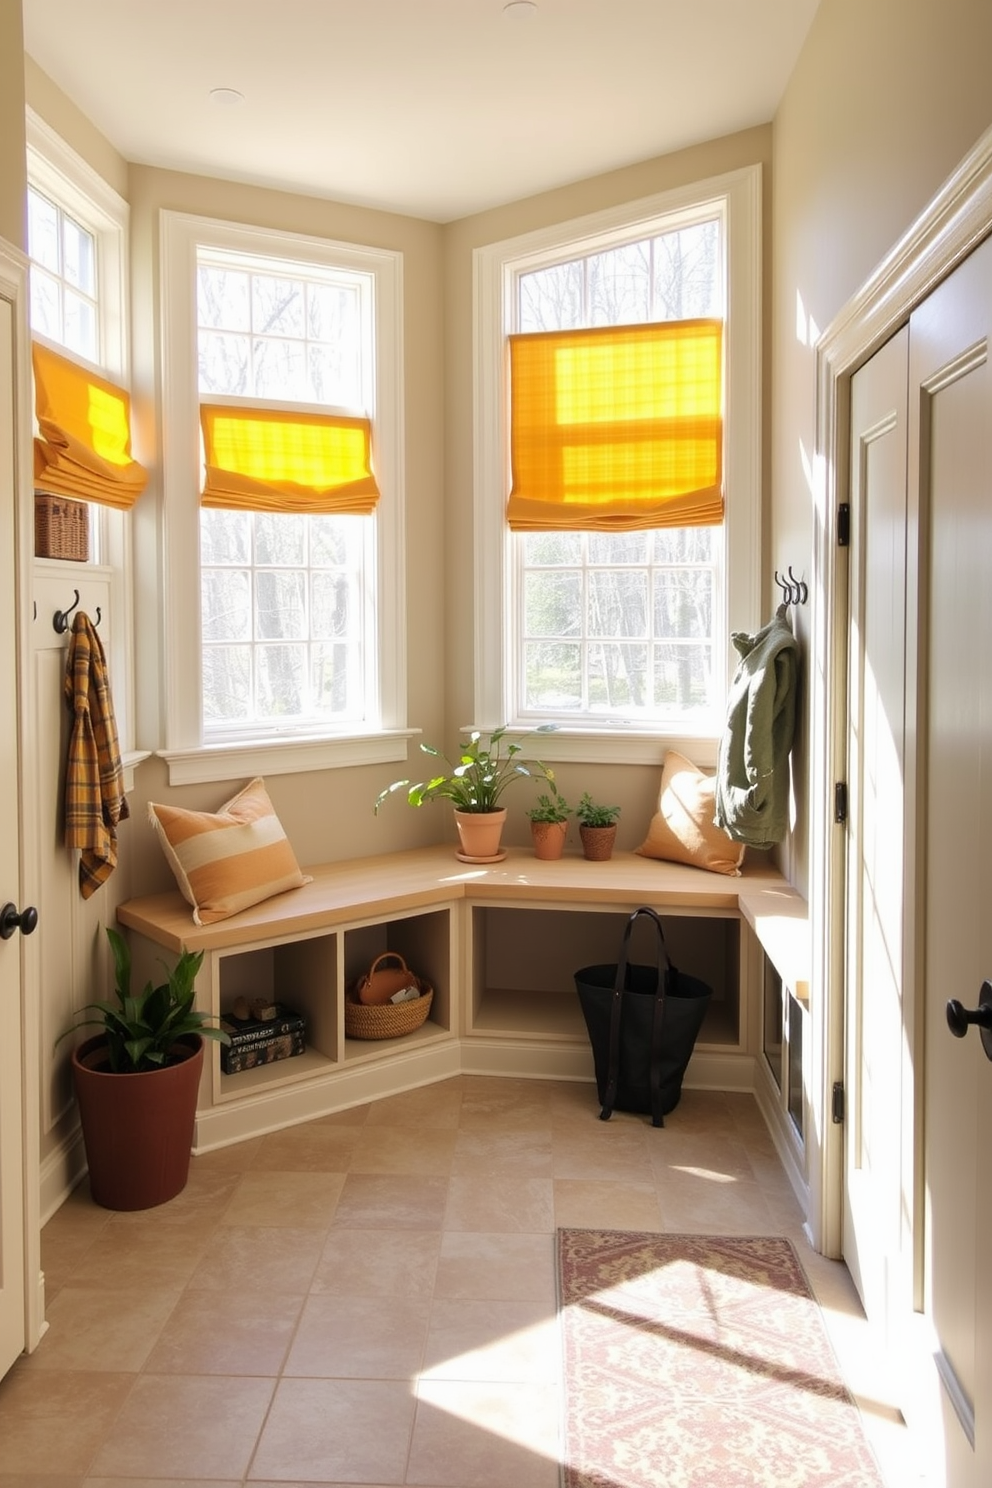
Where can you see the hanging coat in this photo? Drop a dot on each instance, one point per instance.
(94, 779)
(752, 778)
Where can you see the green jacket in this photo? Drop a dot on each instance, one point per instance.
(752, 778)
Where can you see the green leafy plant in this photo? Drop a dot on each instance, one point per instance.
(550, 808)
(142, 1028)
(487, 765)
(591, 814)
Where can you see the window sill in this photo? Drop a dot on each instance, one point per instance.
(130, 760)
(229, 761)
(612, 747)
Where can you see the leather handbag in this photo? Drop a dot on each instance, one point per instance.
(380, 983)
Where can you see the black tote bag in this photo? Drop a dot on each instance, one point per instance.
(642, 1022)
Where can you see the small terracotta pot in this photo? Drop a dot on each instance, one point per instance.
(479, 833)
(597, 842)
(548, 839)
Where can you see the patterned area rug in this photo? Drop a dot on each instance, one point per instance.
(695, 1361)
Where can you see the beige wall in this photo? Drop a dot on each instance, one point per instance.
(886, 99)
(11, 124)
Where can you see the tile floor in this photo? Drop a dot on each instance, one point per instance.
(370, 1298)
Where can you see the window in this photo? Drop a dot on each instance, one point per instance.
(293, 631)
(620, 637)
(77, 246)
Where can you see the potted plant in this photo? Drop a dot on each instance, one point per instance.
(136, 1083)
(597, 828)
(549, 824)
(489, 763)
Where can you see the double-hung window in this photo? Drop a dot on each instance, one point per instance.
(282, 482)
(77, 247)
(606, 595)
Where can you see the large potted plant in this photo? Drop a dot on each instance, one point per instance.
(136, 1083)
(488, 764)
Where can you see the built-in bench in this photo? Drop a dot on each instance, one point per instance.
(499, 944)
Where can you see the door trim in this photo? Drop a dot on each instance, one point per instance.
(14, 288)
(956, 220)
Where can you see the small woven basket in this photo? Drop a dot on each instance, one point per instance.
(386, 1020)
(61, 527)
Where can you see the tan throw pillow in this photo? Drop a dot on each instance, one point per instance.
(227, 860)
(682, 830)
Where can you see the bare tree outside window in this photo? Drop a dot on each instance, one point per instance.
(282, 597)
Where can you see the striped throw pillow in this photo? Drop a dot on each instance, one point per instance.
(227, 860)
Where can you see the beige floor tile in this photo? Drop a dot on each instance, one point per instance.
(235, 1158)
(470, 1435)
(702, 1203)
(485, 1150)
(492, 1340)
(377, 1263)
(106, 1328)
(351, 1116)
(391, 1201)
(611, 1150)
(360, 1338)
(336, 1431)
(432, 1106)
(401, 1149)
(306, 1149)
(229, 1333)
(700, 1153)
(500, 1202)
(291, 1200)
(199, 1426)
(56, 1421)
(596, 1204)
(145, 1258)
(518, 1105)
(500, 1267)
(199, 1205)
(259, 1258)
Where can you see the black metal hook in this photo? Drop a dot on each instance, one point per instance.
(794, 591)
(60, 620)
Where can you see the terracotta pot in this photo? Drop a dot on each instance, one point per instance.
(137, 1129)
(548, 839)
(479, 833)
(597, 842)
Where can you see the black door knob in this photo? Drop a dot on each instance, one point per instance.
(960, 1018)
(10, 920)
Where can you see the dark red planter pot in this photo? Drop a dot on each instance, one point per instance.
(137, 1129)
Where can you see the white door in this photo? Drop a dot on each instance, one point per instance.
(12, 1249)
(950, 656)
(877, 1232)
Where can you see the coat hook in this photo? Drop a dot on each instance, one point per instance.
(60, 620)
(785, 588)
(801, 589)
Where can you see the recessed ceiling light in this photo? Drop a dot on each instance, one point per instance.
(518, 9)
(226, 97)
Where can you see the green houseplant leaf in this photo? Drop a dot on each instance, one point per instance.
(141, 1029)
(486, 767)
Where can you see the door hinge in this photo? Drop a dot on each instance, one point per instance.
(840, 801)
(844, 525)
(837, 1102)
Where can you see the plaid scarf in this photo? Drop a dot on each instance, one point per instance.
(94, 781)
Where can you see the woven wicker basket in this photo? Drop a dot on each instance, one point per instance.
(389, 1019)
(61, 527)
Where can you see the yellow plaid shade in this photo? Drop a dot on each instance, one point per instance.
(617, 428)
(84, 443)
(265, 459)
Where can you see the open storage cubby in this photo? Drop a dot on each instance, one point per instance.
(425, 942)
(524, 963)
(302, 974)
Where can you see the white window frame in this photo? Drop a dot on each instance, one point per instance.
(495, 265)
(383, 736)
(55, 170)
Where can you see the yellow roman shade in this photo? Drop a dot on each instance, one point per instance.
(83, 448)
(617, 428)
(265, 459)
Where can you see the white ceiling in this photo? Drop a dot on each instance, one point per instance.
(432, 108)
